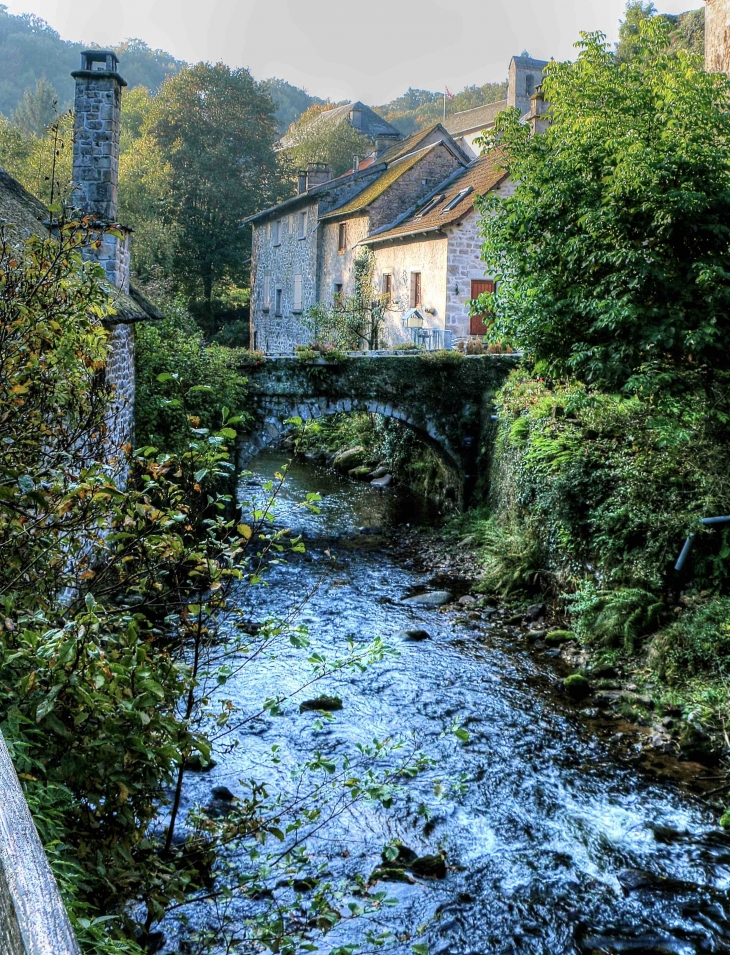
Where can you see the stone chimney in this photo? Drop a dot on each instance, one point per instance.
(301, 181)
(385, 141)
(538, 119)
(97, 116)
(317, 174)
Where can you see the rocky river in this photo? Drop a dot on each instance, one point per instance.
(555, 845)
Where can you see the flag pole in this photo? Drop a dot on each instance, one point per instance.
(444, 105)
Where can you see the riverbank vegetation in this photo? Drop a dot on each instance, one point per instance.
(612, 262)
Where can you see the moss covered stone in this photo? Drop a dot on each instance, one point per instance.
(577, 686)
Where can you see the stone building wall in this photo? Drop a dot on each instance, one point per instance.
(280, 263)
(120, 377)
(336, 267)
(464, 264)
(717, 36)
(427, 256)
(412, 186)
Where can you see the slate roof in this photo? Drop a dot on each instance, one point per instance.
(481, 176)
(370, 193)
(527, 63)
(24, 216)
(472, 119)
(372, 124)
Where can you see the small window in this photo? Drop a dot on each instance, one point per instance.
(337, 294)
(277, 233)
(267, 291)
(388, 287)
(459, 197)
(284, 226)
(269, 231)
(342, 237)
(415, 289)
(430, 206)
(297, 307)
(529, 84)
(303, 225)
(279, 302)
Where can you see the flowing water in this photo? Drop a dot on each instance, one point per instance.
(555, 846)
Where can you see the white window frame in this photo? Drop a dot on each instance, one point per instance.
(303, 224)
(277, 232)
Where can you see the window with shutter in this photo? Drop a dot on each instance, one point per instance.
(479, 324)
(388, 287)
(342, 237)
(297, 307)
(415, 289)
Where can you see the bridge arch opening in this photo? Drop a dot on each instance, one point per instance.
(275, 424)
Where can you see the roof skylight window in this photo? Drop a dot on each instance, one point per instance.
(459, 197)
(430, 206)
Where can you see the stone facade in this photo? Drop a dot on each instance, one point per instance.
(717, 36)
(465, 265)
(525, 75)
(121, 380)
(400, 261)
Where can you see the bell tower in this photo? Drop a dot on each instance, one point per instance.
(717, 36)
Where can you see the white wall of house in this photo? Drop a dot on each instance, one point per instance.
(400, 260)
(336, 266)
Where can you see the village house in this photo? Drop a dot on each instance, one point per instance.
(363, 119)
(414, 204)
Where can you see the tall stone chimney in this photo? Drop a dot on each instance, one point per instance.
(97, 118)
(717, 36)
(317, 174)
(538, 118)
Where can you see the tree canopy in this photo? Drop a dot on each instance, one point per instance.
(334, 143)
(215, 128)
(613, 254)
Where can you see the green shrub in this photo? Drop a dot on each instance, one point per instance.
(613, 617)
(698, 642)
(512, 560)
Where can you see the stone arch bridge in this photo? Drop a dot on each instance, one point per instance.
(446, 400)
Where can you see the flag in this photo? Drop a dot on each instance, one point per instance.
(449, 93)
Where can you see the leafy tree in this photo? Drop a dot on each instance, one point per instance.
(629, 41)
(290, 102)
(38, 109)
(315, 139)
(418, 109)
(216, 129)
(613, 254)
(687, 29)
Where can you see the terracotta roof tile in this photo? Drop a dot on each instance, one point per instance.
(483, 175)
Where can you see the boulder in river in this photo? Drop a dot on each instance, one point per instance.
(434, 598)
(467, 600)
(352, 458)
(326, 704)
(577, 686)
(378, 473)
(223, 792)
(429, 867)
(384, 481)
(556, 637)
(414, 636)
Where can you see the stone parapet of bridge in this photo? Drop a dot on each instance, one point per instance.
(447, 400)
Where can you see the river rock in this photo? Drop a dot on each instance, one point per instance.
(429, 867)
(556, 637)
(326, 704)
(378, 473)
(384, 481)
(434, 598)
(577, 687)
(405, 856)
(223, 792)
(467, 600)
(534, 611)
(351, 458)
(360, 473)
(413, 635)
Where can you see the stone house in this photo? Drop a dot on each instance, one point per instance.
(401, 202)
(431, 259)
(303, 249)
(94, 195)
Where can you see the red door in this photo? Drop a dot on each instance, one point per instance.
(479, 324)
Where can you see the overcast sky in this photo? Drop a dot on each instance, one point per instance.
(371, 50)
